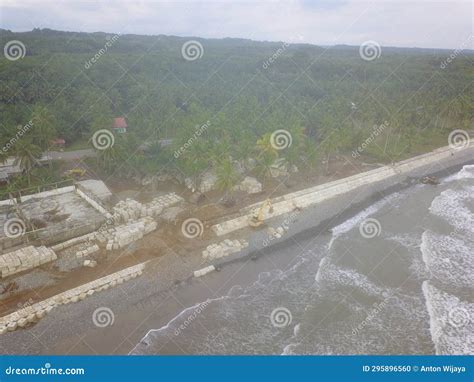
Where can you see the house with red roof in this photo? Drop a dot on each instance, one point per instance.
(58, 142)
(120, 125)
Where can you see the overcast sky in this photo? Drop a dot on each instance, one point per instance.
(422, 23)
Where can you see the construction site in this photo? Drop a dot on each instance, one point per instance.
(72, 240)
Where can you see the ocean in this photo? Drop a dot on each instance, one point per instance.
(396, 278)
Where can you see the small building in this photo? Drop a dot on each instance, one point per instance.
(3, 177)
(120, 125)
(9, 168)
(59, 143)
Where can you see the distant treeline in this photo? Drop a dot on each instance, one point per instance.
(329, 99)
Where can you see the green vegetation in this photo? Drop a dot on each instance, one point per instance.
(328, 99)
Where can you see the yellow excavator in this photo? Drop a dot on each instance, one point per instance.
(256, 220)
(76, 173)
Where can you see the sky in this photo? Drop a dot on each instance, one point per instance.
(422, 23)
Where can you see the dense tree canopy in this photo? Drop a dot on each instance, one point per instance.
(328, 99)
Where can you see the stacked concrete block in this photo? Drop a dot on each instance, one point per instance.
(128, 233)
(130, 209)
(204, 271)
(88, 251)
(126, 210)
(24, 259)
(224, 248)
(35, 312)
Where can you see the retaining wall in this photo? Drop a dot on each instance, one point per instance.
(36, 311)
(89, 199)
(45, 194)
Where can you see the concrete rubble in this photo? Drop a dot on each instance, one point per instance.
(224, 248)
(250, 185)
(279, 168)
(208, 182)
(24, 259)
(89, 263)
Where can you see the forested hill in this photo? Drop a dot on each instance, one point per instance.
(79, 81)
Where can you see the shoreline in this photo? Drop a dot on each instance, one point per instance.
(329, 213)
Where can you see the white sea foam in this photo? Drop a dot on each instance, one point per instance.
(361, 216)
(467, 172)
(448, 259)
(332, 277)
(182, 316)
(452, 205)
(451, 321)
(408, 240)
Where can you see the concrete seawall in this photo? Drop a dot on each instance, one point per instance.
(378, 179)
(330, 204)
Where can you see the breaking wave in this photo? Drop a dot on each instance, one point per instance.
(344, 304)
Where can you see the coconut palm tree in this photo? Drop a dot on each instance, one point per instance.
(227, 176)
(44, 126)
(3, 156)
(264, 146)
(26, 156)
(264, 163)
